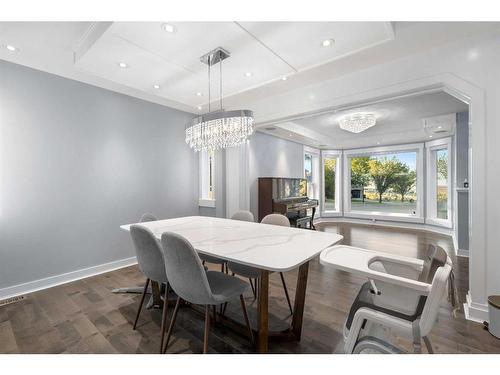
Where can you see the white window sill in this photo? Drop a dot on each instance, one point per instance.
(385, 216)
(439, 222)
(206, 203)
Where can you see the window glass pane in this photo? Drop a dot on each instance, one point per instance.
(384, 183)
(329, 173)
(442, 183)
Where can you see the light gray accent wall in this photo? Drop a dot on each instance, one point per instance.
(76, 162)
(462, 139)
(272, 157)
(462, 146)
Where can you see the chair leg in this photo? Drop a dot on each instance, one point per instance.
(207, 329)
(245, 315)
(222, 268)
(286, 293)
(214, 314)
(164, 317)
(253, 289)
(428, 345)
(141, 303)
(256, 283)
(224, 309)
(172, 322)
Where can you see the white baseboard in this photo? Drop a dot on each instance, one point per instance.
(49, 282)
(477, 312)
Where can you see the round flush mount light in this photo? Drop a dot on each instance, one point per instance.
(357, 122)
(123, 65)
(156, 86)
(327, 43)
(168, 27)
(199, 94)
(248, 74)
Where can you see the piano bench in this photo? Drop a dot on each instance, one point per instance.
(301, 222)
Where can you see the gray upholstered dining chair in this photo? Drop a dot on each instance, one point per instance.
(148, 217)
(151, 263)
(193, 284)
(253, 273)
(243, 215)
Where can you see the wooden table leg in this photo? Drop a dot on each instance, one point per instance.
(263, 296)
(300, 298)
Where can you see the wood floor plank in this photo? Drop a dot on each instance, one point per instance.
(85, 317)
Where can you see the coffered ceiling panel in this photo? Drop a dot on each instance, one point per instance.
(300, 43)
(261, 52)
(172, 60)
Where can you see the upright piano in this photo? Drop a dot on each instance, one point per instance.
(287, 196)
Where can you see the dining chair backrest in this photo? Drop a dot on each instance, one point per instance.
(243, 216)
(147, 217)
(434, 298)
(185, 271)
(276, 219)
(436, 257)
(149, 253)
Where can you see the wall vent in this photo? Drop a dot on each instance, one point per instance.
(11, 300)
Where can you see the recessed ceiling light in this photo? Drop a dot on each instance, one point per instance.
(11, 48)
(199, 94)
(284, 78)
(121, 64)
(169, 28)
(199, 107)
(440, 127)
(327, 43)
(248, 74)
(430, 136)
(378, 143)
(290, 135)
(156, 86)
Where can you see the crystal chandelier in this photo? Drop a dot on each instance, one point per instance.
(218, 129)
(358, 122)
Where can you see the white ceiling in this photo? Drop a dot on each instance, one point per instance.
(89, 52)
(399, 120)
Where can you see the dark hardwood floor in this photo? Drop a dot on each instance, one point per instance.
(85, 317)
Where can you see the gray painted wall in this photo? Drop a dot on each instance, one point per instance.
(272, 157)
(77, 161)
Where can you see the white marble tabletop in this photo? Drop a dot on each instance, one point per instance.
(268, 247)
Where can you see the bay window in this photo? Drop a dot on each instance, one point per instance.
(311, 172)
(439, 193)
(331, 204)
(384, 182)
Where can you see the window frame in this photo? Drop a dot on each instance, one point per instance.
(207, 169)
(329, 154)
(315, 166)
(419, 217)
(431, 203)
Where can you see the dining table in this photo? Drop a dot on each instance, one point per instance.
(270, 248)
